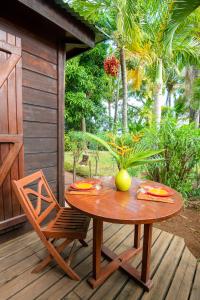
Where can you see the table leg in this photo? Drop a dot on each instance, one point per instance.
(100, 274)
(137, 236)
(145, 276)
(97, 244)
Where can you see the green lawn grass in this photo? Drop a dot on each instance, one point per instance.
(106, 165)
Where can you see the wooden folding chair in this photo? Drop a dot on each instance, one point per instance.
(68, 224)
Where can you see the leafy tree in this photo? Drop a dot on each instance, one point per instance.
(116, 18)
(161, 43)
(86, 87)
(181, 154)
(153, 32)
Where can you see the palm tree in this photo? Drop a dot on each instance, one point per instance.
(116, 18)
(195, 100)
(164, 35)
(154, 32)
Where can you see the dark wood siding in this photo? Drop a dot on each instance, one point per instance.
(40, 102)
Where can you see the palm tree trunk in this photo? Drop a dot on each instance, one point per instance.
(169, 98)
(124, 90)
(189, 78)
(116, 104)
(109, 116)
(83, 124)
(197, 119)
(158, 93)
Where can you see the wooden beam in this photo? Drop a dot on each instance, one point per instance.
(61, 97)
(64, 20)
(12, 221)
(75, 51)
(79, 46)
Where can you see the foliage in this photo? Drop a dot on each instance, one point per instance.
(149, 32)
(127, 149)
(106, 164)
(181, 155)
(74, 142)
(86, 87)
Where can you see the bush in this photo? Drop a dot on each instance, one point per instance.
(181, 155)
(74, 141)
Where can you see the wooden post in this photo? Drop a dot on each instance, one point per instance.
(97, 243)
(137, 235)
(146, 252)
(61, 97)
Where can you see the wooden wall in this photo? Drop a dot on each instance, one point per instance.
(40, 107)
(40, 102)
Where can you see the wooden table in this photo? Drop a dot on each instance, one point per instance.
(123, 208)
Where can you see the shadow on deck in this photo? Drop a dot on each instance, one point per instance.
(174, 270)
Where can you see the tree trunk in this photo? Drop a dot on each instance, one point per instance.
(197, 119)
(116, 104)
(84, 129)
(124, 90)
(109, 116)
(169, 98)
(83, 124)
(158, 93)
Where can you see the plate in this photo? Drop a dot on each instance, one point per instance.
(82, 185)
(93, 181)
(160, 192)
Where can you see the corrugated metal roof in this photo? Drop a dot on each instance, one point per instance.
(100, 35)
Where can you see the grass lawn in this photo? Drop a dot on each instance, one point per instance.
(106, 165)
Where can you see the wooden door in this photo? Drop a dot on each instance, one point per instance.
(11, 128)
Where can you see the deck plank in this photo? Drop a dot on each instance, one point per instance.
(21, 261)
(30, 285)
(174, 270)
(17, 245)
(116, 282)
(60, 289)
(182, 282)
(13, 258)
(20, 276)
(131, 290)
(166, 270)
(195, 291)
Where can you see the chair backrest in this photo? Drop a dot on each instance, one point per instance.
(41, 192)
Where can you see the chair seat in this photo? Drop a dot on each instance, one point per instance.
(68, 223)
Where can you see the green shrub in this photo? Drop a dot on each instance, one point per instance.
(74, 141)
(181, 155)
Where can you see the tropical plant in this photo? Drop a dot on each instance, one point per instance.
(86, 87)
(155, 33)
(181, 154)
(162, 43)
(127, 149)
(116, 18)
(195, 101)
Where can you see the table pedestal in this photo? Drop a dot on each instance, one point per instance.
(100, 274)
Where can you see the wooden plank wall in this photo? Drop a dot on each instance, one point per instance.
(40, 102)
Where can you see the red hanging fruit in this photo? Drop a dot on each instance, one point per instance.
(111, 66)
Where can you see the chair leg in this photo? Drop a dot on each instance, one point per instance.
(71, 253)
(61, 262)
(83, 243)
(44, 263)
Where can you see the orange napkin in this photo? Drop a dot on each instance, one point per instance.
(142, 195)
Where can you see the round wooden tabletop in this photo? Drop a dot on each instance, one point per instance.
(123, 207)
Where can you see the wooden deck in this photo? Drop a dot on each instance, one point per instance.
(174, 270)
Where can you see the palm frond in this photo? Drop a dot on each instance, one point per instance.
(97, 139)
(145, 161)
(182, 9)
(140, 156)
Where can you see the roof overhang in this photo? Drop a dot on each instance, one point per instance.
(79, 35)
